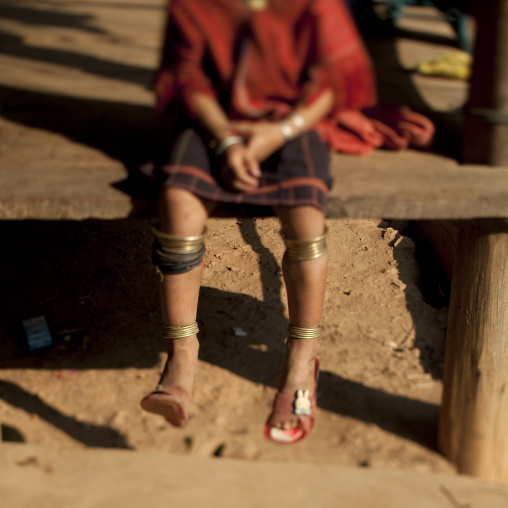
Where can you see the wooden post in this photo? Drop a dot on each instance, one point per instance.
(486, 117)
(473, 431)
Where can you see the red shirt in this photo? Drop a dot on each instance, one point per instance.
(262, 63)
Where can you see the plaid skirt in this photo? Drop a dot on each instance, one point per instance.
(296, 174)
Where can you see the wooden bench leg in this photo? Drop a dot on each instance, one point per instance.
(486, 117)
(473, 431)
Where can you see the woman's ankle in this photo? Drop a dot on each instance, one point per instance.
(303, 346)
(299, 364)
(181, 363)
(187, 346)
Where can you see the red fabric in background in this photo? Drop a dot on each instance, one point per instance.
(267, 62)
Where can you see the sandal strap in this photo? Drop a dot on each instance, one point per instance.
(283, 409)
(174, 391)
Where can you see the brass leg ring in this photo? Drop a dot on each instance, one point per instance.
(303, 250)
(179, 332)
(297, 332)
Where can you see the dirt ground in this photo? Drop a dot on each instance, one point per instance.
(381, 356)
(382, 347)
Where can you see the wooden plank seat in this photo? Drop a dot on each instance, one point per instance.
(403, 185)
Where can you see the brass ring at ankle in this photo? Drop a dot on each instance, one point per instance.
(179, 332)
(303, 250)
(297, 332)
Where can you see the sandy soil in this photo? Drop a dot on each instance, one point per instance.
(381, 356)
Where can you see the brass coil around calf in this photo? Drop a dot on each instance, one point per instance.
(303, 250)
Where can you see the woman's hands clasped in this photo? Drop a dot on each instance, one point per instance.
(240, 169)
(241, 162)
(263, 138)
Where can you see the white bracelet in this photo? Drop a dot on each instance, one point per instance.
(298, 122)
(226, 143)
(287, 131)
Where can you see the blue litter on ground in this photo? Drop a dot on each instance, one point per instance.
(37, 333)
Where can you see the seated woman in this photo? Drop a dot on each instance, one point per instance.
(254, 86)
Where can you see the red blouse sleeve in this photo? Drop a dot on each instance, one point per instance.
(340, 59)
(181, 74)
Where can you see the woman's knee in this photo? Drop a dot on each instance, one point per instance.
(304, 233)
(181, 212)
(179, 245)
(301, 222)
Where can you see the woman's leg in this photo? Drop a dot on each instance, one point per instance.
(305, 285)
(182, 215)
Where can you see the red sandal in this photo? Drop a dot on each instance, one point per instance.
(169, 402)
(284, 406)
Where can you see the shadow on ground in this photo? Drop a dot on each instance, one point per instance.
(94, 283)
(86, 433)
